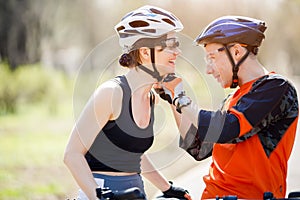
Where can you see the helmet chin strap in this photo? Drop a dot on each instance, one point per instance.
(155, 74)
(235, 67)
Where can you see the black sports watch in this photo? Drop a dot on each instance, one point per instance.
(182, 101)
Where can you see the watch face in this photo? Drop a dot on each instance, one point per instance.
(184, 100)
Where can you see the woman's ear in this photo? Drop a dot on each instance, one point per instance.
(144, 53)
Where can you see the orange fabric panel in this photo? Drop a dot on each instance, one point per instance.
(244, 89)
(245, 126)
(265, 174)
(244, 169)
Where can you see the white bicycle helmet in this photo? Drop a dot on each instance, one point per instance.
(145, 22)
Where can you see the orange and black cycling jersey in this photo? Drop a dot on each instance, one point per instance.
(250, 139)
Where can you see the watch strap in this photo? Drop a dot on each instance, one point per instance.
(179, 105)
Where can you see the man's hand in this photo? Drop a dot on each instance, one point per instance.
(173, 87)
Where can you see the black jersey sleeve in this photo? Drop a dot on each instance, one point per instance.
(270, 98)
(271, 102)
(264, 99)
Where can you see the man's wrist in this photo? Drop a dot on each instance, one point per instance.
(177, 96)
(181, 102)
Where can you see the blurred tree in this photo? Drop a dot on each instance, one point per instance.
(19, 32)
(60, 33)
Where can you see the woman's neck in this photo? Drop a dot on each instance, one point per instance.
(139, 81)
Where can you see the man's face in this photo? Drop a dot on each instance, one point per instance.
(218, 64)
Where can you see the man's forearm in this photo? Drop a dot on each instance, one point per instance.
(188, 116)
(191, 112)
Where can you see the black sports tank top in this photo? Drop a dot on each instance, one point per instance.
(120, 144)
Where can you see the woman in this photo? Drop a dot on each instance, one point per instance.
(107, 143)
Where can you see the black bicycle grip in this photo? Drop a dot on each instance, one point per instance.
(131, 193)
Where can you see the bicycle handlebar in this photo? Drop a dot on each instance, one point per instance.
(131, 193)
(266, 196)
(136, 194)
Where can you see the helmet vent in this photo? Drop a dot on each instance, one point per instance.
(120, 28)
(153, 20)
(149, 30)
(132, 31)
(169, 21)
(243, 20)
(138, 23)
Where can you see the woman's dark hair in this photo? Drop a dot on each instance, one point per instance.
(133, 57)
(130, 59)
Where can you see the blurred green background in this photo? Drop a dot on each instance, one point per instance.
(49, 53)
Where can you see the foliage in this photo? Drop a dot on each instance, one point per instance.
(29, 84)
(8, 91)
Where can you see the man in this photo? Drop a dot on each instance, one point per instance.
(251, 137)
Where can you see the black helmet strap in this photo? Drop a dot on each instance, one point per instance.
(235, 67)
(154, 73)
